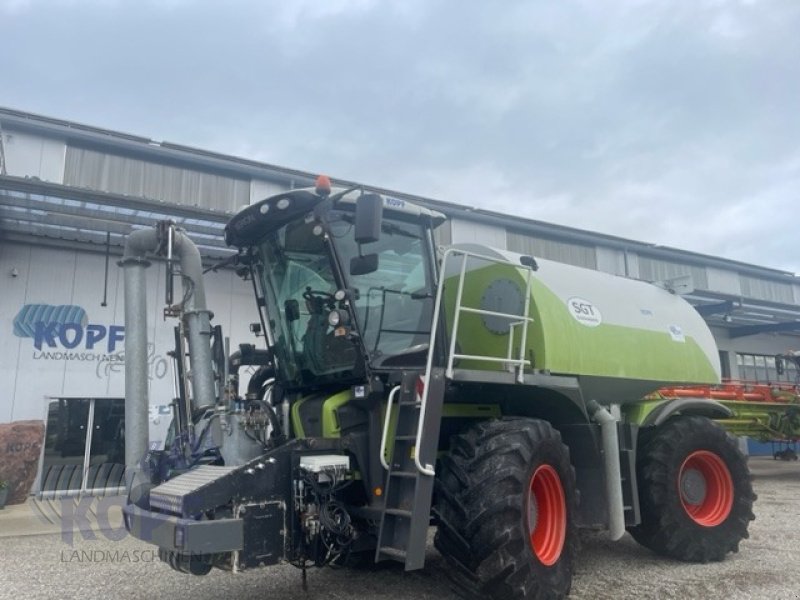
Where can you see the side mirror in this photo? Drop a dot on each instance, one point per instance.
(369, 212)
(362, 265)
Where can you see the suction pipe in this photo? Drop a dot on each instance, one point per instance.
(196, 321)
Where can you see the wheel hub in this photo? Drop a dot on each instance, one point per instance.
(547, 515)
(705, 487)
(693, 486)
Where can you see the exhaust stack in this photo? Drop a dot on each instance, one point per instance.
(196, 318)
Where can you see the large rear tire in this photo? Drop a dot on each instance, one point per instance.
(695, 491)
(506, 501)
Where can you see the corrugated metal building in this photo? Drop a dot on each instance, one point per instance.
(70, 193)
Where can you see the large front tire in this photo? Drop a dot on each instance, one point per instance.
(695, 491)
(506, 502)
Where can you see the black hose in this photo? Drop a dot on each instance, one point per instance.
(255, 388)
(273, 418)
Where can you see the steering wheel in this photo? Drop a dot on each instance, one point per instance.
(317, 300)
(311, 294)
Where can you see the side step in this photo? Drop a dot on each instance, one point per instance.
(403, 534)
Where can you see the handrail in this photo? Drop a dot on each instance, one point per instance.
(428, 469)
(386, 421)
(520, 363)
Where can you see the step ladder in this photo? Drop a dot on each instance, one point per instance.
(403, 533)
(630, 491)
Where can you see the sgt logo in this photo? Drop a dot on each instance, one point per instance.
(584, 312)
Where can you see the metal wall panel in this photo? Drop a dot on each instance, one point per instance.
(134, 177)
(14, 288)
(725, 282)
(33, 156)
(48, 278)
(84, 368)
(463, 231)
(611, 261)
(651, 269)
(572, 254)
(260, 189)
(764, 289)
(443, 234)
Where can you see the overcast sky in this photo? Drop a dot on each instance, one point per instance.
(670, 122)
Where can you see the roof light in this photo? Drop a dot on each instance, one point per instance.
(323, 185)
(283, 203)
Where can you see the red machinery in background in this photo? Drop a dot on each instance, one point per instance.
(766, 412)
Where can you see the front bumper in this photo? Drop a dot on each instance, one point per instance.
(186, 536)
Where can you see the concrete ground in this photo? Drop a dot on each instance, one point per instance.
(38, 561)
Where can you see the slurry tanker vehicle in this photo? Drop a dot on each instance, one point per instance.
(494, 396)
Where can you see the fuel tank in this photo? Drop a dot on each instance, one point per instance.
(622, 338)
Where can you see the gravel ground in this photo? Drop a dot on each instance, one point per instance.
(767, 566)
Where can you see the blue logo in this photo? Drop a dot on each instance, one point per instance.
(66, 326)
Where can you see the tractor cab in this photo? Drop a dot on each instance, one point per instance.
(345, 282)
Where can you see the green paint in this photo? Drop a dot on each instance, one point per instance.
(297, 422)
(637, 412)
(763, 421)
(471, 411)
(330, 420)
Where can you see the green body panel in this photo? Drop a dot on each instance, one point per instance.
(449, 410)
(626, 347)
(637, 413)
(763, 421)
(330, 421)
(471, 411)
(297, 422)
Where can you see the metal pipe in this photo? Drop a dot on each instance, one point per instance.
(198, 327)
(616, 505)
(136, 379)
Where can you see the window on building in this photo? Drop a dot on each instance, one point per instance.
(84, 450)
(725, 366)
(761, 368)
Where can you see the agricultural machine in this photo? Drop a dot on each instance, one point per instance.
(765, 412)
(495, 396)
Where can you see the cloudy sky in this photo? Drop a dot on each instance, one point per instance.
(665, 121)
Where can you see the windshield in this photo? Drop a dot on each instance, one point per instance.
(393, 304)
(298, 285)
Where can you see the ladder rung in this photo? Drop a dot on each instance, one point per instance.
(497, 359)
(398, 512)
(491, 313)
(416, 404)
(405, 437)
(393, 552)
(406, 474)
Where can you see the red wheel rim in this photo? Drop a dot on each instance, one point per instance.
(547, 515)
(705, 487)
